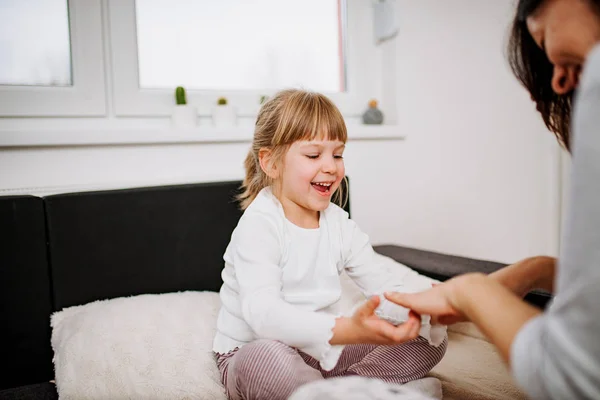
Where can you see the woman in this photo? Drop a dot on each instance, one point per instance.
(555, 52)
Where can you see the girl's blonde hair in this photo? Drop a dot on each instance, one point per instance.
(289, 116)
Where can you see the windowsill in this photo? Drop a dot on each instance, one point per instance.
(112, 137)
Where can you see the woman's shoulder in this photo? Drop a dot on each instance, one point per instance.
(591, 72)
(586, 115)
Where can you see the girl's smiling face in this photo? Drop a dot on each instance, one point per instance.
(311, 172)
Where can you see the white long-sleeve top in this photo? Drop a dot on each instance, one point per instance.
(282, 282)
(557, 354)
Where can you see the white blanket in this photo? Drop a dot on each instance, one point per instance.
(359, 388)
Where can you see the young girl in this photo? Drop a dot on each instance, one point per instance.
(281, 324)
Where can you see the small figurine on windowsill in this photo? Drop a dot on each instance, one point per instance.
(373, 115)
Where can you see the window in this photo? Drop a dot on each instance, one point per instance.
(55, 66)
(241, 50)
(52, 64)
(240, 45)
(30, 58)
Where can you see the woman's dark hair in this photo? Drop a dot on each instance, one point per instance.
(532, 68)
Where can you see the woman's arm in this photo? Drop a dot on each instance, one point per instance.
(527, 275)
(496, 310)
(520, 278)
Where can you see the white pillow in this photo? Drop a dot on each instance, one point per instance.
(141, 347)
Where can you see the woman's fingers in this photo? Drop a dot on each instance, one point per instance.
(402, 299)
(432, 301)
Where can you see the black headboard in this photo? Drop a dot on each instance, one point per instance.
(25, 305)
(147, 240)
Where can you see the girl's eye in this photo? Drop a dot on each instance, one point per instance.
(312, 156)
(338, 156)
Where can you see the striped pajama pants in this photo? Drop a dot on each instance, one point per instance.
(271, 370)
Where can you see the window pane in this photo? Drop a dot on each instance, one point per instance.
(35, 46)
(240, 44)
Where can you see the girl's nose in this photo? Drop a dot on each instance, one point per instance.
(329, 165)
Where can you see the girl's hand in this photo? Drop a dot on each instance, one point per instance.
(366, 327)
(440, 301)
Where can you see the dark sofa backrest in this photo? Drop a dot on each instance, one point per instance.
(147, 240)
(25, 302)
(70, 249)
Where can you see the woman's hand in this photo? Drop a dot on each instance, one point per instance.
(441, 301)
(478, 298)
(366, 327)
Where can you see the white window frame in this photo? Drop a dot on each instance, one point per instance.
(363, 66)
(86, 96)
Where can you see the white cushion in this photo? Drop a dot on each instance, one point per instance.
(141, 347)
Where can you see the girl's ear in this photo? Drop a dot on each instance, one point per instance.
(267, 164)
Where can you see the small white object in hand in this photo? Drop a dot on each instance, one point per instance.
(388, 318)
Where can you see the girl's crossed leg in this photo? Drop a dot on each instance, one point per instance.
(266, 369)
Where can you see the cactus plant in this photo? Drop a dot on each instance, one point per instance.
(222, 101)
(180, 96)
(263, 98)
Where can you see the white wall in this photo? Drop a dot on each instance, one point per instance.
(477, 176)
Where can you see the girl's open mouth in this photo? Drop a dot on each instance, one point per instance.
(322, 187)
